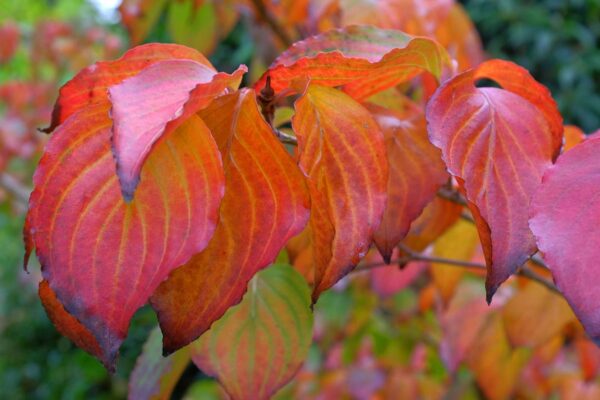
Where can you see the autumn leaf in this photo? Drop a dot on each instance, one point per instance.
(140, 117)
(101, 257)
(564, 224)
(259, 344)
(341, 150)
(497, 143)
(573, 136)
(266, 203)
(154, 377)
(363, 60)
(416, 172)
(139, 16)
(91, 84)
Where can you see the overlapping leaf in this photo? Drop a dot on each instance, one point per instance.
(91, 84)
(416, 171)
(101, 257)
(153, 103)
(154, 376)
(259, 344)
(266, 202)
(363, 60)
(341, 150)
(564, 219)
(497, 143)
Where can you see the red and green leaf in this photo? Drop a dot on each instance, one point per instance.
(259, 344)
(154, 376)
(266, 203)
(363, 60)
(564, 215)
(497, 143)
(101, 257)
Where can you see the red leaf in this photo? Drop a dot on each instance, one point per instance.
(564, 215)
(101, 256)
(416, 171)
(90, 85)
(362, 59)
(341, 150)
(497, 143)
(265, 204)
(141, 116)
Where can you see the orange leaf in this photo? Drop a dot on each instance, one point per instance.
(363, 60)
(573, 136)
(103, 257)
(437, 218)
(266, 203)
(497, 143)
(341, 150)
(416, 171)
(91, 84)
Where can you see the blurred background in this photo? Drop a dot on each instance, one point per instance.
(365, 338)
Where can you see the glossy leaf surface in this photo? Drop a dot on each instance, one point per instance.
(266, 203)
(259, 344)
(103, 257)
(497, 143)
(564, 220)
(363, 60)
(341, 150)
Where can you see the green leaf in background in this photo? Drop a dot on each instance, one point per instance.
(193, 26)
(155, 376)
(259, 344)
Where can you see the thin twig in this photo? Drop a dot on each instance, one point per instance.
(15, 188)
(411, 255)
(277, 29)
(451, 195)
(285, 138)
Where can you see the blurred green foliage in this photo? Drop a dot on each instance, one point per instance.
(558, 41)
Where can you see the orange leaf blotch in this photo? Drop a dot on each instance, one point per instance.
(341, 149)
(363, 60)
(573, 136)
(266, 202)
(497, 143)
(564, 220)
(91, 84)
(155, 102)
(416, 172)
(101, 256)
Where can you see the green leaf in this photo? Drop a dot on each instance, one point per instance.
(155, 376)
(259, 344)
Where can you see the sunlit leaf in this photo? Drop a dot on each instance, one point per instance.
(497, 143)
(341, 150)
(100, 256)
(259, 344)
(266, 203)
(363, 60)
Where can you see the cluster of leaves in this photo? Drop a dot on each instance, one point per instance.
(201, 195)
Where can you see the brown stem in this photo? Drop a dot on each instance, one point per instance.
(451, 195)
(411, 255)
(277, 29)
